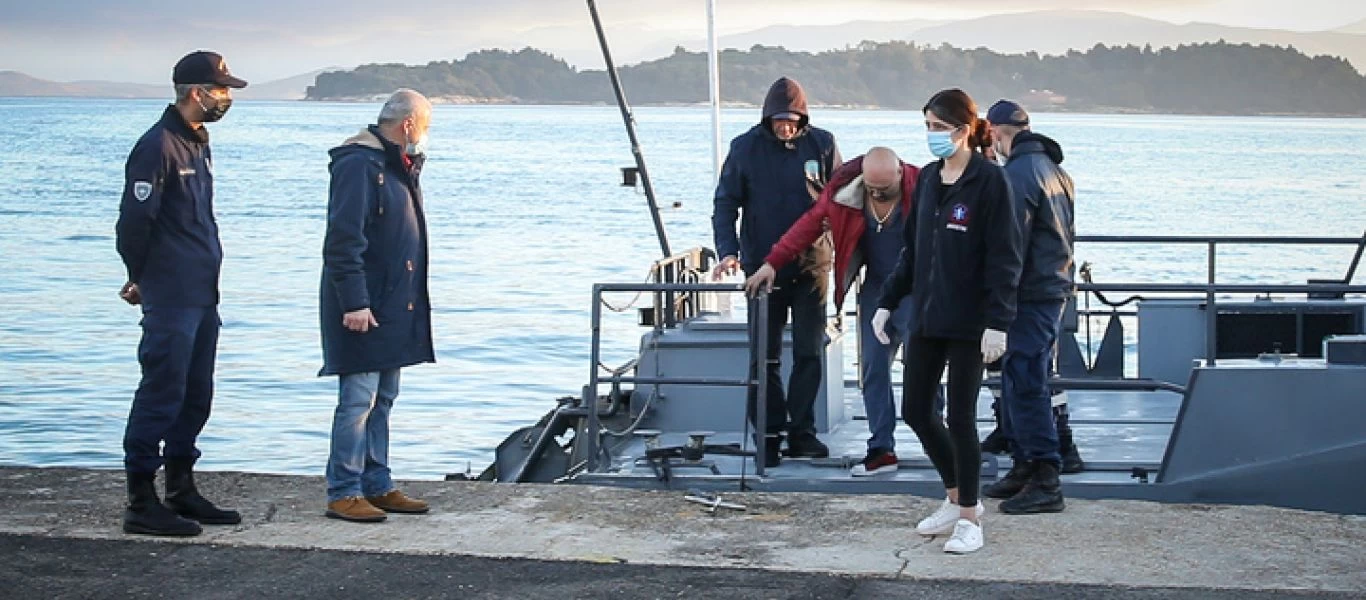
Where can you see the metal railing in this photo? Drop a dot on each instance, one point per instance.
(691, 267)
(758, 348)
(1211, 287)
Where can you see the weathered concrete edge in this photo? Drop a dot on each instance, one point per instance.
(85, 504)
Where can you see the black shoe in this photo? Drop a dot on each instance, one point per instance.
(806, 445)
(1042, 494)
(773, 455)
(1012, 483)
(146, 515)
(183, 498)
(995, 443)
(1071, 459)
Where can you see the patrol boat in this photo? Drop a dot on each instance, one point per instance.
(1243, 393)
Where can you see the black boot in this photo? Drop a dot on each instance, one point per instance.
(806, 445)
(996, 442)
(773, 447)
(1071, 457)
(146, 514)
(1012, 483)
(184, 498)
(1042, 494)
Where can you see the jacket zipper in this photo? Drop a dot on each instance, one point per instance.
(934, 256)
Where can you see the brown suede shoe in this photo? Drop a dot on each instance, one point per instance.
(396, 502)
(355, 509)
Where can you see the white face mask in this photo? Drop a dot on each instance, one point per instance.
(417, 148)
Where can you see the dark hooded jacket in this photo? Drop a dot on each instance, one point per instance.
(962, 255)
(1044, 196)
(375, 256)
(766, 177)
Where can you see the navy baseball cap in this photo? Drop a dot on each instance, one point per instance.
(1005, 112)
(204, 68)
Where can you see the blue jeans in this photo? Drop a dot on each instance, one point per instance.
(359, 462)
(177, 353)
(1026, 404)
(876, 367)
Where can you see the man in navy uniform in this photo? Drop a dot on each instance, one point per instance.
(1045, 197)
(168, 239)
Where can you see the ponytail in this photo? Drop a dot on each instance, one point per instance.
(979, 137)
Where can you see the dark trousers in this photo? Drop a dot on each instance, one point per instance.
(177, 353)
(953, 450)
(1026, 404)
(792, 411)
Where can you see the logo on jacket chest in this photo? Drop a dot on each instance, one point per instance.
(959, 217)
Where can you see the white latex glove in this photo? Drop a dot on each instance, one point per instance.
(880, 319)
(993, 345)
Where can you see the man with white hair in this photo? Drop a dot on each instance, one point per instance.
(374, 307)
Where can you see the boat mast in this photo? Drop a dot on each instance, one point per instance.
(630, 121)
(714, 85)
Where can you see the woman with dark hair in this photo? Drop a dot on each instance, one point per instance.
(961, 264)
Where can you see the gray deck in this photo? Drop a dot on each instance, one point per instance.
(1115, 431)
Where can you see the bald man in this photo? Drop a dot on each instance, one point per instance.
(866, 204)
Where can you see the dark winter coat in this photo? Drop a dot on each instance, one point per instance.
(375, 256)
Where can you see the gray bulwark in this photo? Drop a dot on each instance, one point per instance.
(717, 347)
(1282, 434)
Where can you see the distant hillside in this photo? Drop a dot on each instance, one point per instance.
(16, 84)
(1358, 28)
(290, 88)
(1045, 32)
(1218, 78)
(1056, 32)
(13, 83)
(817, 38)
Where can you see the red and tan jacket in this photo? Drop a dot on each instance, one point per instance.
(842, 205)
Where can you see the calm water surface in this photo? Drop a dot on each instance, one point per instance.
(525, 214)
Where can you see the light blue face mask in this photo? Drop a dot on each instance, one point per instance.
(941, 143)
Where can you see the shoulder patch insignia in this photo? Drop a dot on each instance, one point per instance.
(142, 190)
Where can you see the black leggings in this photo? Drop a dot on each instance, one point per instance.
(954, 451)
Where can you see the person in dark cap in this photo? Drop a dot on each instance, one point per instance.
(168, 239)
(1044, 200)
(768, 181)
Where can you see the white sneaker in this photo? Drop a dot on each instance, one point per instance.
(943, 520)
(967, 537)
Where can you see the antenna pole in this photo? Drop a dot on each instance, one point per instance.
(630, 121)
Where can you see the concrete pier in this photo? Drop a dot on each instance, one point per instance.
(60, 533)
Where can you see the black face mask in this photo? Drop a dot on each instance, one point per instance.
(215, 111)
(891, 193)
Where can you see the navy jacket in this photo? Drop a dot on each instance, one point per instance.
(1044, 196)
(962, 256)
(766, 177)
(375, 256)
(166, 232)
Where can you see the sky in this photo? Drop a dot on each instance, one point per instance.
(139, 40)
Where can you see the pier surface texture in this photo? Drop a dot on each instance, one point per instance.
(61, 538)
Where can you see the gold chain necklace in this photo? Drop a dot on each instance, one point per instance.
(883, 218)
